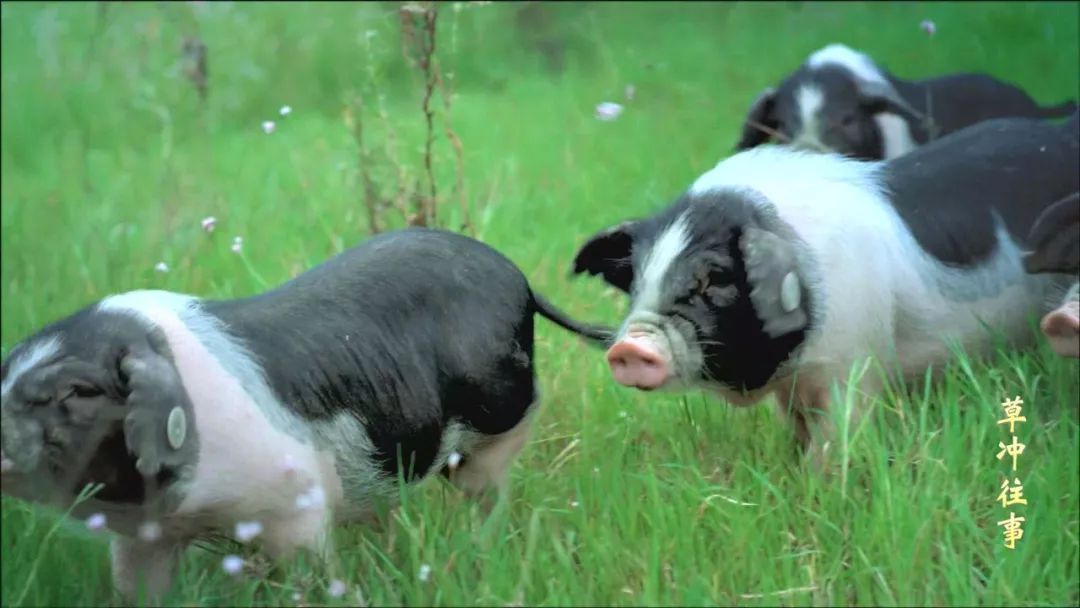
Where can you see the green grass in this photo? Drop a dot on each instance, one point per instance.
(109, 163)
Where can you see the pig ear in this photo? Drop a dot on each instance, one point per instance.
(159, 426)
(1055, 238)
(776, 289)
(759, 115)
(879, 97)
(607, 253)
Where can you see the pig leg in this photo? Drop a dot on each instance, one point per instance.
(1062, 325)
(808, 407)
(146, 566)
(487, 467)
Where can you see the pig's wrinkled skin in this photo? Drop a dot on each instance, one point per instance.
(839, 100)
(783, 273)
(298, 408)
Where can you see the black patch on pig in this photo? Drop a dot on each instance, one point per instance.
(408, 332)
(949, 193)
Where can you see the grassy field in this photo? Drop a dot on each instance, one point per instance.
(109, 163)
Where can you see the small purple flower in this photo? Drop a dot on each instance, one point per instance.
(96, 522)
(928, 27)
(161, 267)
(232, 564)
(237, 244)
(247, 530)
(608, 111)
(337, 588)
(149, 531)
(209, 223)
(285, 110)
(268, 126)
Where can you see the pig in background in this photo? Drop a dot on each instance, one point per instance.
(780, 270)
(840, 101)
(407, 355)
(1055, 244)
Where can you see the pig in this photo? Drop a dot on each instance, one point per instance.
(1055, 248)
(780, 271)
(839, 100)
(407, 355)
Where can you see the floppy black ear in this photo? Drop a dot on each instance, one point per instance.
(159, 428)
(607, 254)
(760, 115)
(879, 97)
(776, 288)
(1054, 239)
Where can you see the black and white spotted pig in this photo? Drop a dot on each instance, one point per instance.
(839, 100)
(292, 408)
(1055, 248)
(779, 270)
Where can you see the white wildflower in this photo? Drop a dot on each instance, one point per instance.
(149, 531)
(313, 498)
(96, 522)
(608, 111)
(337, 588)
(247, 530)
(232, 564)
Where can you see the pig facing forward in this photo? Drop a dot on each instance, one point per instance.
(779, 270)
(407, 355)
(840, 100)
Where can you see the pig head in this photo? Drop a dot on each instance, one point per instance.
(1054, 244)
(719, 294)
(102, 404)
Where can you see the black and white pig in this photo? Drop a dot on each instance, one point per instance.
(779, 270)
(840, 101)
(409, 354)
(1055, 248)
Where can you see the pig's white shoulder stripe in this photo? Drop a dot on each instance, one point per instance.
(857, 63)
(33, 355)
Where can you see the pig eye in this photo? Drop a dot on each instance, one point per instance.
(82, 391)
(86, 391)
(848, 120)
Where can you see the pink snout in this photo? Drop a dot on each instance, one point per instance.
(636, 361)
(1062, 328)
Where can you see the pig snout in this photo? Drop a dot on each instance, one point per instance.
(1062, 329)
(638, 362)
